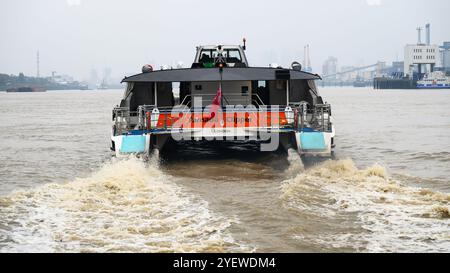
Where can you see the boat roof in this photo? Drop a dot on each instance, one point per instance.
(228, 74)
(216, 46)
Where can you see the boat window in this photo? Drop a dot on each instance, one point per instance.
(231, 55)
(206, 56)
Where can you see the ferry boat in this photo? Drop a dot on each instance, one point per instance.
(434, 80)
(220, 97)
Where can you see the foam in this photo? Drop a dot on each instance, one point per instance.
(391, 215)
(126, 206)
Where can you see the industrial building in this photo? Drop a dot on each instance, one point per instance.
(330, 66)
(420, 60)
(445, 56)
(421, 57)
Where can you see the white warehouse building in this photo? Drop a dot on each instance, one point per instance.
(421, 58)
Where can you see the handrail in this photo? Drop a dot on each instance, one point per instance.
(259, 98)
(317, 118)
(122, 119)
(188, 98)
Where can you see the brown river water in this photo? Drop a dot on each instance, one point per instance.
(387, 190)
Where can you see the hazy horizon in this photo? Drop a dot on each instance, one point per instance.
(77, 36)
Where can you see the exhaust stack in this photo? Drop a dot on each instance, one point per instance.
(427, 27)
(419, 35)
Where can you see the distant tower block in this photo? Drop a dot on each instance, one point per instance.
(37, 65)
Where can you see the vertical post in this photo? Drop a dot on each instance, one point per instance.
(287, 93)
(302, 123)
(221, 90)
(140, 117)
(156, 93)
(221, 97)
(323, 120)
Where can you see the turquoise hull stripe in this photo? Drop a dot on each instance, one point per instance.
(312, 141)
(133, 144)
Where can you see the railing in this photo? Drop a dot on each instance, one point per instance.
(257, 100)
(229, 99)
(300, 117)
(317, 117)
(124, 120)
(142, 113)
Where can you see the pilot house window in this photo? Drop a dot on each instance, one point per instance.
(231, 55)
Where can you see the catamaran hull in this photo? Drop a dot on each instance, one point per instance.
(319, 144)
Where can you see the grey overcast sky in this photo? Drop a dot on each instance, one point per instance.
(76, 36)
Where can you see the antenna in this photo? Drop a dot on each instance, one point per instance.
(37, 65)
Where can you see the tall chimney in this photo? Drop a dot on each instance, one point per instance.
(419, 35)
(428, 34)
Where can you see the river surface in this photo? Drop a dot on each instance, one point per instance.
(387, 190)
